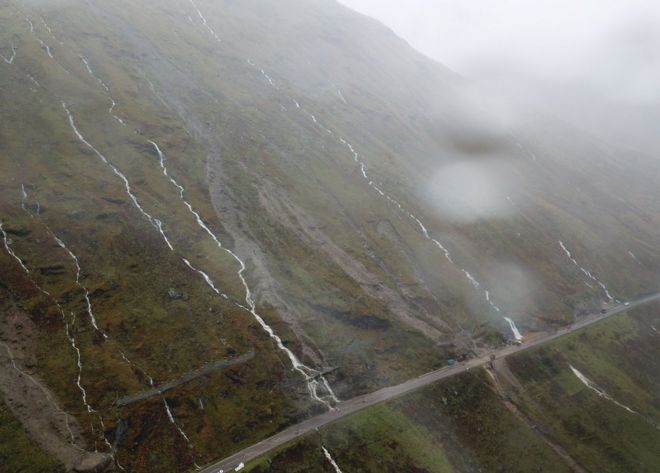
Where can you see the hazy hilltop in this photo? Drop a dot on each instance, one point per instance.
(185, 182)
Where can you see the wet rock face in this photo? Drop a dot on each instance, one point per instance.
(174, 294)
(93, 463)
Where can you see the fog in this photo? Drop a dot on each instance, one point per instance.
(468, 191)
(592, 63)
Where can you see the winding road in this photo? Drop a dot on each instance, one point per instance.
(351, 406)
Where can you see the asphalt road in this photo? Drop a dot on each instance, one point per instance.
(351, 406)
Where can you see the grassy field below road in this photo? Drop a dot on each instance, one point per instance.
(453, 426)
(620, 355)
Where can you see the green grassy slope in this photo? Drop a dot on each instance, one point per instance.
(620, 357)
(459, 425)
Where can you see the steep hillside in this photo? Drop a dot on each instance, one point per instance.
(187, 182)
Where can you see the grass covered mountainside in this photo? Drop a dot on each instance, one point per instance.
(184, 182)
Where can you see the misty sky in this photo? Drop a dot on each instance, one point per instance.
(596, 63)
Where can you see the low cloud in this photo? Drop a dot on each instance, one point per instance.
(471, 190)
(595, 63)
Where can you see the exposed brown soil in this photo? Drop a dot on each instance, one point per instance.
(31, 402)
